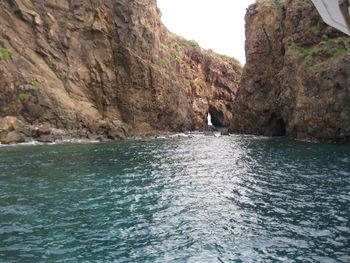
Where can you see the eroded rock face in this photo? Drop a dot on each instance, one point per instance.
(213, 82)
(106, 68)
(296, 80)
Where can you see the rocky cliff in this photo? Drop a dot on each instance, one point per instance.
(296, 80)
(104, 69)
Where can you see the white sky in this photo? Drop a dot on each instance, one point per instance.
(215, 24)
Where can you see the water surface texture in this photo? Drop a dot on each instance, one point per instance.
(197, 199)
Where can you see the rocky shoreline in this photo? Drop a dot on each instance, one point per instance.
(14, 131)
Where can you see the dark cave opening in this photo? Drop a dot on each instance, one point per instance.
(217, 118)
(279, 127)
(216, 122)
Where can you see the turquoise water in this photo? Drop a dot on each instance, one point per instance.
(195, 199)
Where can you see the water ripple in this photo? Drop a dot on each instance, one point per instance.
(184, 199)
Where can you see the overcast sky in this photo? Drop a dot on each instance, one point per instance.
(215, 24)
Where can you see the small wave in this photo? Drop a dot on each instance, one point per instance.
(22, 144)
(57, 142)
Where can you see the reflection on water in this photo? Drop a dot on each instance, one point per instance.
(185, 199)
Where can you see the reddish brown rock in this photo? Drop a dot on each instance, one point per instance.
(11, 130)
(82, 66)
(11, 123)
(11, 137)
(296, 80)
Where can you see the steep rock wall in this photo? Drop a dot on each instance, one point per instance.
(296, 80)
(104, 68)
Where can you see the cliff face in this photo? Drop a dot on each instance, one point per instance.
(104, 68)
(296, 80)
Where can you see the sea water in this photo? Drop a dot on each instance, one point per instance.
(181, 199)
